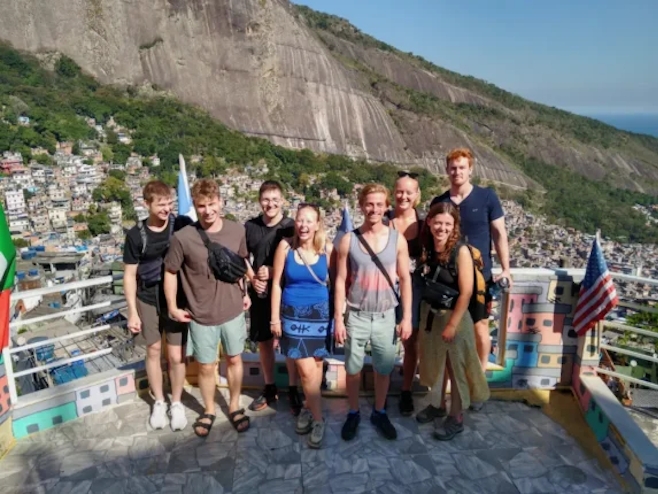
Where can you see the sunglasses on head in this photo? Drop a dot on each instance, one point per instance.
(308, 205)
(402, 173)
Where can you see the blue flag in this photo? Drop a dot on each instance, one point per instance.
(185, 205)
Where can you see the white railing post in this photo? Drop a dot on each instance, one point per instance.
(9, 370)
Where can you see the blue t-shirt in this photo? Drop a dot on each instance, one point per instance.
(477, 211)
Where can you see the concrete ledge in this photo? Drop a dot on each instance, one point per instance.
(612, 424)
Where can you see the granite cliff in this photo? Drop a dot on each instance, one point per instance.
(307, 80)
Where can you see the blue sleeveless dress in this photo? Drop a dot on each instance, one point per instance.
(305, 315)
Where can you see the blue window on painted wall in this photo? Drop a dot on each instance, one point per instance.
(520, 324)
(32, 428)
(528, 348)
(106, 402)
(545, 382)
(511, 305)
(530, 321)
(105, 388)
(57, 420)
(86, 409)
(545, 359)
(84, 394)
(559, 290)
(514, 347)
(547, 323)
(123, 381)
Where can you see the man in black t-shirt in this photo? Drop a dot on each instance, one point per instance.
(481, 220)
(145, 247)
(264, 232)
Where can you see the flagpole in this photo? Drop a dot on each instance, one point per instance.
(598, 236)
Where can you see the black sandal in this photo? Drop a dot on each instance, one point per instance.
(236, 423)
(203, 425)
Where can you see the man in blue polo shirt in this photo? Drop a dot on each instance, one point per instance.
(482, 219)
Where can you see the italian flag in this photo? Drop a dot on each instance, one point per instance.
(7, 273)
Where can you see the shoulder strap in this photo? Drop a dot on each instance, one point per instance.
(143, 235)
(452, 263)
(172, 221)
(203, 235)
(310, 269)
(377, 261)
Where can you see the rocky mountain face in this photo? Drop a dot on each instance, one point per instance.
(306, 80)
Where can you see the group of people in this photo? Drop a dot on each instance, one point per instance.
(303, 294)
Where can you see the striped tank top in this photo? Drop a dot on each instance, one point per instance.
(369, 291)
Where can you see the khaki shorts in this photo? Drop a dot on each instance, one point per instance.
(379, 329)
(205, 340)
(154, 324)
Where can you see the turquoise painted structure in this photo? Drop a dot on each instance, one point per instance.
(44, 419)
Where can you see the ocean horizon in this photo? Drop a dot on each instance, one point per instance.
(640, 123)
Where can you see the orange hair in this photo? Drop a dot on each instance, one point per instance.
(457, 153)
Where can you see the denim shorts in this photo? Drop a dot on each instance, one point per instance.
(203, 341)
(379, 329)
(416, 299)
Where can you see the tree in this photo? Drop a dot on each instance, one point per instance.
(19, 243)
(99, 223)
(66, 67)
(230, 216)
(83, 235)
(118, 174)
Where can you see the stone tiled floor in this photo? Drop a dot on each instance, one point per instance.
(506, 448)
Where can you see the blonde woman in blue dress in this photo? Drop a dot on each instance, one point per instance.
(300, 311)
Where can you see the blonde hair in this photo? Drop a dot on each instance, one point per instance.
(417, 200)
(320, 236)
(205, 187)
(373, 189)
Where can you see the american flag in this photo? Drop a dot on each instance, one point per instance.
(597, 293)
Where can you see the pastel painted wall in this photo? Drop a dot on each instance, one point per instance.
(5, 399)
(540, 343)
(55, 408)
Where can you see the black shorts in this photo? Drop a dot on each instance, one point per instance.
(259, 318)
(479, 311)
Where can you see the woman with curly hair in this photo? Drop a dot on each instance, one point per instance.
(300, 310)
(448, 341)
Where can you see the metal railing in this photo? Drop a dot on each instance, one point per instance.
(633, 351)
(11, 350)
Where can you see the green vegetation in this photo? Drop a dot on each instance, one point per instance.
(19, 243)
(113, 189)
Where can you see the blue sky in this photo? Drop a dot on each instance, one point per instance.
(586, 56)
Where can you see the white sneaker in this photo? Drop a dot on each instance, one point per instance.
(158, 418)
(178, 418)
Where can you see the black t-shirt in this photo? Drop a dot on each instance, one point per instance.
(257, 230)
(157, 244)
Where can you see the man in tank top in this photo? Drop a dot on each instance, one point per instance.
(366, 290)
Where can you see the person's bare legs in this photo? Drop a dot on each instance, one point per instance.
(154, 370)
(483, 342)
(381, 390)
(310, 373)
(176, 360)
(207, 387)
(266, 355)
(235, 373)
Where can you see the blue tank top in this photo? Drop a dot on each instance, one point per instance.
(299, 285)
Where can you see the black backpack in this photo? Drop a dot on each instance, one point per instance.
(149, 273)
(226, 265)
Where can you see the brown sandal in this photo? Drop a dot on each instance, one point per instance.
(236, 422)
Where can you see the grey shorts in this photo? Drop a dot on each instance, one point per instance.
(205, 340)
(379, 329)
(154, 324)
